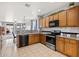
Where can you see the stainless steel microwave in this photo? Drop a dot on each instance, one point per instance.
(54, 23)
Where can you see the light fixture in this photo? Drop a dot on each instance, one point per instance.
(27, 5)
(15, 20)
(39, 10)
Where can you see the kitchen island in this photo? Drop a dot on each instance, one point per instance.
(30, 38)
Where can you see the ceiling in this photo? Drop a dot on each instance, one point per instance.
(10, 11)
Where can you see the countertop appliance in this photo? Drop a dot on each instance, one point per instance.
(51, 39)
(54, 23)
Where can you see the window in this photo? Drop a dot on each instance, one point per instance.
(34, 24)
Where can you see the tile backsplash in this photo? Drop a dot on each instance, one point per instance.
(63, 29)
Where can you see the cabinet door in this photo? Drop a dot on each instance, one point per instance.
(31, 39)
(51, 18)
(73, 16)
(41, 23)
(36, 40)
(73, 48)
(62, 18)
(56, 16)
(44, 22)
(67, 47)
(57, 44)
(42, 38)
(47, 21)
(60, 44)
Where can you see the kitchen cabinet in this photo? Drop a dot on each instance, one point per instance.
(56, 16)
(41, 23)
(60, 44)
(51, 18)
(71, 47)
(33, 38)
(44, 22)
(47, 22)
(24, 40)
(67, 18)
(37, 38)
(67, 46)
(62, 19)
(42, 38)
(73, 17)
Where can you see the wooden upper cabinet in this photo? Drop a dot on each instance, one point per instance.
(44, 22)
(62, 19)
(51, 18)
(47, 21)
(73, 17)
(56, 16)
(41, 23)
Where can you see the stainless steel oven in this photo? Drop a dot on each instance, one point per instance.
(51, 39)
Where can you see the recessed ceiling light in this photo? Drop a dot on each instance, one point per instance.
(39, 10)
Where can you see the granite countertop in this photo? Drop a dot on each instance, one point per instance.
(75, 38)
(33, 33)
(28, 32)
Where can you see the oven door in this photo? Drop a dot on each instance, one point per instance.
(51, 43)
(51, 40)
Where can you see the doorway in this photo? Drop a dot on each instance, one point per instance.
(8, 41)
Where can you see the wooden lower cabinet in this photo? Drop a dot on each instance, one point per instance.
(36, 38)
(71, 47)
(73, 50)
(60, 44)
(42, 38)
(67, 46)
(33, 38)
